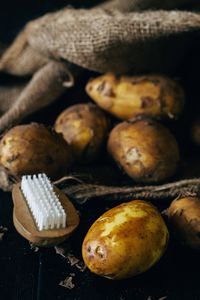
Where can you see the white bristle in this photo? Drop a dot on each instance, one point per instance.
(43, 203)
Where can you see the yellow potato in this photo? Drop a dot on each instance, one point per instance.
(29, 149)
(184, 214)
(84, 127)
(127, 97)
(125, 241)
(144, 149)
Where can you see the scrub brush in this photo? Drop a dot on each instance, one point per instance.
(42, 213)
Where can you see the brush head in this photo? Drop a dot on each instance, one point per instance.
(44, 204)
(42, 213)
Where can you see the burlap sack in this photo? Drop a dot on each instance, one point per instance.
(120, 36)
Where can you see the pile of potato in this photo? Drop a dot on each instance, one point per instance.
(130, 238)
(142, 147)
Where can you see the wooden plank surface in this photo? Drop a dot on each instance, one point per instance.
(29, 275)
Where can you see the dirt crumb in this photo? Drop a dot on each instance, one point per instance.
(67, 282)
(33, 247)
(3, 230)
(71, 259)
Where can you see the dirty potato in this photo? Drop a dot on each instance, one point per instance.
(127, 97)
(29, 149)
(125, 241)
(195, 131)
(144, 149)
(84, 127)
(184, 214)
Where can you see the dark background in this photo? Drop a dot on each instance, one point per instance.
(26, 274)
(14, 14)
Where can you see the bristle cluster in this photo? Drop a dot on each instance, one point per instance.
(45, 206)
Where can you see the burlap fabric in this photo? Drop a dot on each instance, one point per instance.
(120, 36)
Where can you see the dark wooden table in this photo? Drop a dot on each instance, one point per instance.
(27, 273)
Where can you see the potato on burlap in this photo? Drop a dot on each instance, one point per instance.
(127, 97)
(125, 241)
(184, 215)
(84, 127)
(32, 148)
(144, 149)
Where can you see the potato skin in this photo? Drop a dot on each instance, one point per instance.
(125, 241)
(195, 131)
(184, 214)
(84, 127)
(144, 149)
(154, 96)
(32, 148)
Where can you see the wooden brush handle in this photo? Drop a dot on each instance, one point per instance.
(25, 225)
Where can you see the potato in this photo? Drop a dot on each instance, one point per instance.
(195, 131)
(127, 97)
(84, 127)
(125, 241)
(184, 214)
(144, 149)
(29, 149)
